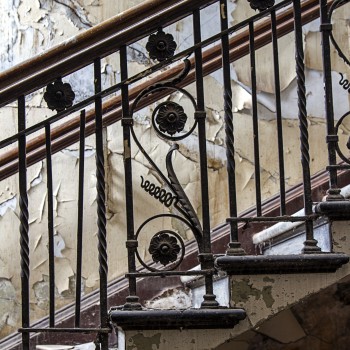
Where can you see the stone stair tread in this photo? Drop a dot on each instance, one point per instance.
(281, 264)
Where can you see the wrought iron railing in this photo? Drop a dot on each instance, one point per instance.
(171, 123)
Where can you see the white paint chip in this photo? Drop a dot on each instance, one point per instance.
(9, 204)
(37, 180)
(88, 152)
(54, 347)
(59, 245)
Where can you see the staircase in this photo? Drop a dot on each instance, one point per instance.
(141, 131)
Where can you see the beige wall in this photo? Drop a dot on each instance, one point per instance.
(33, 26)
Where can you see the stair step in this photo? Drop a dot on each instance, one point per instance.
(148, 319)
(281, 264)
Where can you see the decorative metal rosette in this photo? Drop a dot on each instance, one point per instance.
(261, 5)
(171, 118)
(59, 95)
(161, 46)
(340, 153)
(164, 247)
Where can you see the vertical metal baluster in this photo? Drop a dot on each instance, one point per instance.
(332, 138)
(132, 301)
(278, 113)
(310, 245)
(50, 224)
(205, 256)
(24, 225)
(80, 219)
(255, 119)
(101, 206)
(234, 245)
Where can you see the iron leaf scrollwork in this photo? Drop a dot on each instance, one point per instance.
(261, 5)
(171, 118)
(164, 248)
(181, 195)
(161, 46)
(59, 95)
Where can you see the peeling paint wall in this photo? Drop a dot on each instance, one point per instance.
(31, 26)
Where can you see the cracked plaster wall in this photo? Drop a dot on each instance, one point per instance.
(31, 26)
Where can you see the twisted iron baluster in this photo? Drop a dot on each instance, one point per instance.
(24, 230)
(310, 245)
(24, 221)
(101, 207)
(101, 213)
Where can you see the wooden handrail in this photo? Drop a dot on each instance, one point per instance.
(97, 42)
(67, 134)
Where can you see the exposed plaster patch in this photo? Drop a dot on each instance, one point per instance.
(8, 310)
(268, 279)
(41, 293)
(243, 290)
(140, 342)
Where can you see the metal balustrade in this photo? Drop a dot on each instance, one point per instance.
(171, 123)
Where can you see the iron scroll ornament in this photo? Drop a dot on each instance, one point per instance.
(344, 83)
(169, 120)
(340, 153)
(183, 204)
